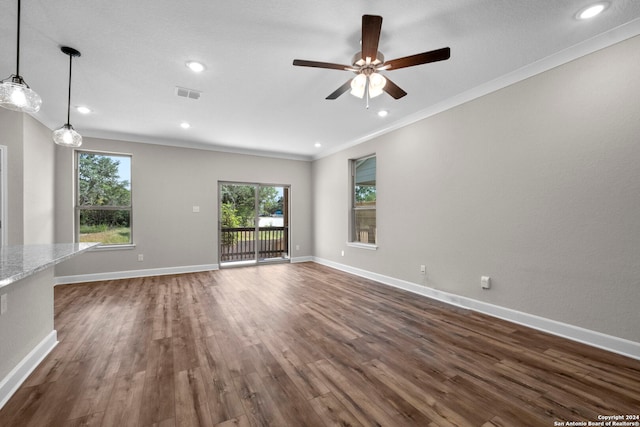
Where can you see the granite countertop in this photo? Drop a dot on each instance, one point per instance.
(18, 262)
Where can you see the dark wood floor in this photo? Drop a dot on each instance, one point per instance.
(304, 345)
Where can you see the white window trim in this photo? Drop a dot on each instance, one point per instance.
(351, 226)
(114, 247)
(369, 246)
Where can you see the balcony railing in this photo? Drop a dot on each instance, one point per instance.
(239, 244)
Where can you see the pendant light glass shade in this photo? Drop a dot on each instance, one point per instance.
(67, 136)
(15, 93)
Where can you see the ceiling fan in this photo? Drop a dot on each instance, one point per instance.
(367, 64)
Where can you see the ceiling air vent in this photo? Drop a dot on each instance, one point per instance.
(188, 93)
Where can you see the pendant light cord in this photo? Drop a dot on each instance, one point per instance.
(18, 47)
(69, 98)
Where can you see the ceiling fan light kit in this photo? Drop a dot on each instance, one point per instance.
(15, 93)
(66, 135)
(367, 63)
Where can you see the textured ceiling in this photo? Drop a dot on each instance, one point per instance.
(253, 99)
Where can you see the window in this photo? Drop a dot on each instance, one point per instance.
(363, 217)
(103, 198)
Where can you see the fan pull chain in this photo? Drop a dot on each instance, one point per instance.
(366, 92)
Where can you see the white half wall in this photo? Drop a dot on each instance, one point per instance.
(26, 329)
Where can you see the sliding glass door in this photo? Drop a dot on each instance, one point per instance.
(254, 223)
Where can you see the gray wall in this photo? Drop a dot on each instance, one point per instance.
(166, 183)
(536, 185)
(39, 177)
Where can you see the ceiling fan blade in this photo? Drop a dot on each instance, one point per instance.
(342, 89)
(420, 58)
(393, 89)
(329, 65)
(371, 26)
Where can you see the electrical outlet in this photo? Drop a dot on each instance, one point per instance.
(297, 247)
(3, 304)
(140, 257)
(196, 209)
(342, 253)
(423, 269)
(485, 282)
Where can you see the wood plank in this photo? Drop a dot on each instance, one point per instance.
(191, 400)
(359, 401)
(291, 404)
(333, 412)
(224, 401)
(258, 405)
(92, 420)
(241, 421)
(97, 387)
(307, 382)
(158, 398)
(123, 409)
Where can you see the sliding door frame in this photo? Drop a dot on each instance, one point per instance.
(286, 221)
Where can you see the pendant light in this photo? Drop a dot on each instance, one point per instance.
(15, 93)
(67, 135)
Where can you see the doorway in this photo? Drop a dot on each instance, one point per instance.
(253, 223)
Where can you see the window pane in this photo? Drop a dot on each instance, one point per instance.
(365, 182)
(365, 196)
(365, 226)
(104, 180)
(110, 227)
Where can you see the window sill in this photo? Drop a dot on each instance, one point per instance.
(115, 247)
(368, 246)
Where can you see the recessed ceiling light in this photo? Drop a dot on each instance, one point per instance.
(194, 66)
(592, 11)
(383, 113)
(317, 145)
(185, 125)
(83, 110)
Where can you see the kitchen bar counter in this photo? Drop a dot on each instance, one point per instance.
(18, 262)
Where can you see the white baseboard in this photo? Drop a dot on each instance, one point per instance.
(115, 275)
(16, 377)
(301, 259)
(575, 333)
